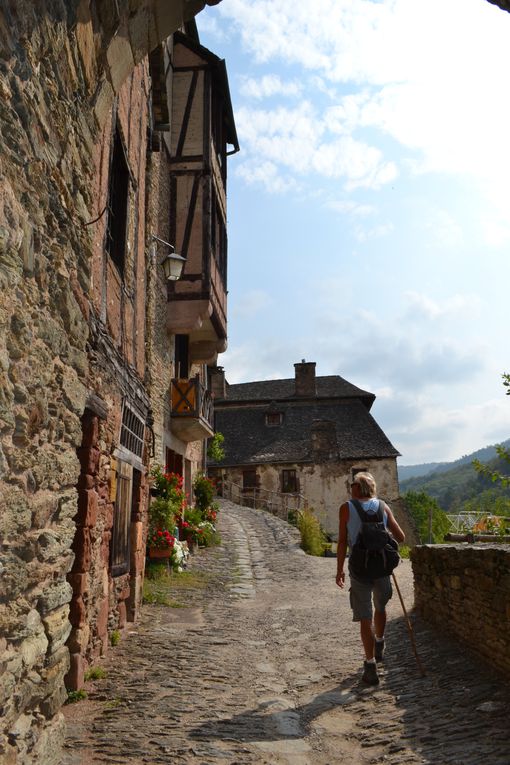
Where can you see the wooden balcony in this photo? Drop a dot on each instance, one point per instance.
(191, 410)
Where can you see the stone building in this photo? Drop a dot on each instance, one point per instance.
(98, 374)
(308, 435)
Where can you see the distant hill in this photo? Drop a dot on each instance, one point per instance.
(453, 483)
(414, 471)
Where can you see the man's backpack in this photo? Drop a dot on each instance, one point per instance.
(375, 552)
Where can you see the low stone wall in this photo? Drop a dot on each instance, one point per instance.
(465, 590)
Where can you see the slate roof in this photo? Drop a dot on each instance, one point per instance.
(331, 386)
(249, 440)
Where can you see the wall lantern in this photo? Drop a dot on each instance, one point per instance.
(172, 263)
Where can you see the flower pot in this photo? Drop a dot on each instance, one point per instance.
(157, 552)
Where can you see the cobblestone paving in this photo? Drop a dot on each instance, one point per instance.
(263, 666)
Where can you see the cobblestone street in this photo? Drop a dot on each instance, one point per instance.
(263, 665)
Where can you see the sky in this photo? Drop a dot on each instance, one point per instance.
(369, 206)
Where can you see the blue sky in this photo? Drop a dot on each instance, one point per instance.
(369, 223)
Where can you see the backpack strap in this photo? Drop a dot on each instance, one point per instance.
(366, 517)
(359, 508)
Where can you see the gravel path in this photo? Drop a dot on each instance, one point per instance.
(263, 666)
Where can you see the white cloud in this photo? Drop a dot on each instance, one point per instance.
(428, 429)
(376, 232)
(251, 304)
(437, 95)
(265, 173)
(209, 24)
(349, 207)
(267, 86)
(298, 139)
(444, 230)
(421, 305)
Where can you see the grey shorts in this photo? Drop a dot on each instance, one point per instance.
(361, 593)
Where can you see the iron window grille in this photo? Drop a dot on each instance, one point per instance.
(132, 431)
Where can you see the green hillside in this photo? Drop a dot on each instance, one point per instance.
(485, 454)
(460, 488)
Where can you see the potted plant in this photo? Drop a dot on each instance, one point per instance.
(161, 543)
(165, 510)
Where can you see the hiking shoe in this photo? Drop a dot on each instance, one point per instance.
(370, 676)
(379, 650)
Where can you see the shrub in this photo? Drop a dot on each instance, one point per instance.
(215, 450)
(95, 673)
(75, 696)
(115, 638)
(313, 539)
(203, 489)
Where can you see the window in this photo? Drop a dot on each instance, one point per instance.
(125, 489)
(289, 481)
(118, 195)
(127, 478)
(182, 357)
(249, 479)
(173, 462)
(273, 419)
(132, 431)
(354, 471)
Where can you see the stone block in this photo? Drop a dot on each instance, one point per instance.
(33, 648)
(85, 43)
(169, 17)
(54, 702)
(77, 612)
(105, 548)
(85, 482)
(87, 508)
(79, 583)
(119, 57)
(89, 460)
(121, 609)
(49, 745)
(79, 639)
(102, 620)
(142, 33)
(90, 430)
(76, 676)
(56, 595)
(82, 550)
(16, 515)
(58, 628)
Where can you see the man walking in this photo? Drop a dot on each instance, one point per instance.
(364, 591)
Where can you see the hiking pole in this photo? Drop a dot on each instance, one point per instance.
(409, 627)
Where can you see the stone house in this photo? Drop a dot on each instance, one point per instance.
(308, 435)
(99, 375)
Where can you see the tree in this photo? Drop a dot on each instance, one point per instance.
(503, 453)
(215, 450)
(431, 522)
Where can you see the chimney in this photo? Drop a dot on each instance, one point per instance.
(218, 383)
(324, 440)
(305, 379)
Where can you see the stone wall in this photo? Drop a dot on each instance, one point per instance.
(63, 65)
(464, 589)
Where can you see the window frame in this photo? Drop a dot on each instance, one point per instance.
(289, 478)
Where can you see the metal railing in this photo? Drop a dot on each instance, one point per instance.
(278, 503)
(460, 523)
(478, 527)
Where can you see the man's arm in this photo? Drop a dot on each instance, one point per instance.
(393, 526)
(341, 550)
